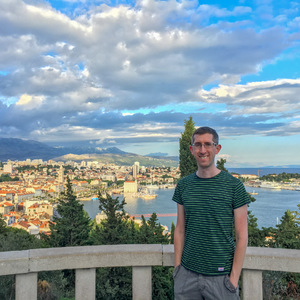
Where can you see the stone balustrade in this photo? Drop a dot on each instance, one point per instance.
(85, 260)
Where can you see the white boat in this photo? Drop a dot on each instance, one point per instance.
(270, 185)
(253, 193)
(148, 196)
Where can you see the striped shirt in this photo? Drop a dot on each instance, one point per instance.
(208, 205)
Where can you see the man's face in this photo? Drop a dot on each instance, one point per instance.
(204, 150)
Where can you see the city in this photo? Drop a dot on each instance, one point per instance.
(30, 189)
(28, 199)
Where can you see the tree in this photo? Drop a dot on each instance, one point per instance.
(152, 232)
(3, 227)
(221, 164)
(72, 226)
(287, 234)
(172, 233)
(187, 163)
(117, 228)
(13, 239)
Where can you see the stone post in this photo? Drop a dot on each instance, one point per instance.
(142, 283)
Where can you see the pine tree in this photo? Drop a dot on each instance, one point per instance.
(116, 228)
(187, 163)
(221, 164)
(287, 234)
(151, 231)
(72, 226)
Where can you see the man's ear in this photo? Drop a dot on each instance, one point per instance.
(218, 147)
(191, 149)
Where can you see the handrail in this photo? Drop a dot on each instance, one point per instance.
(141, 257)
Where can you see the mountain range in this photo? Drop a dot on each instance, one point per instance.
(18, 149)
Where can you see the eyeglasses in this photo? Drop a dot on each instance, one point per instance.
(206, 145)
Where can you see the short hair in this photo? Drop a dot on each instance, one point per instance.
(204, 130)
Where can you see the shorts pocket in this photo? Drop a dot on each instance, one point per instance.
(229, 285)
(176, 270)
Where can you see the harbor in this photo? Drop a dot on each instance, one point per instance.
(268, 208)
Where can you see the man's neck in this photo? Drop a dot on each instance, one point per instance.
(208, 173)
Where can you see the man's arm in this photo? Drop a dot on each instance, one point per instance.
(179, 235)
(241, 233)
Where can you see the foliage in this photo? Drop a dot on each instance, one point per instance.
(187, 163)
(221, 164)
(151, 231)
(118, 228)
(72, 226)
(13, 239)
(6, 177)
(113, 283)
(287, 234)
(3, 227)
(172, 233)
(282, 177)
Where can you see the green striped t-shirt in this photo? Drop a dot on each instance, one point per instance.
(209, 204)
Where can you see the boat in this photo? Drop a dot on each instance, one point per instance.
(253, 193)
(270, 185)
(148, 196)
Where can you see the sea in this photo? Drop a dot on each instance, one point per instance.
(269, 207)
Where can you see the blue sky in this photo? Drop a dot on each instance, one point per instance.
(128, 73)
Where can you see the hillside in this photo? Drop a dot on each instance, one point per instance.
(18, 149)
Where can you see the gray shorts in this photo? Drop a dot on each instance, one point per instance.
(189, 285)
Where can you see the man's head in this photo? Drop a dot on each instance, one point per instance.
(205, 146)
(203, 130)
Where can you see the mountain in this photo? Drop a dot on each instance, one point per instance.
(18, 149)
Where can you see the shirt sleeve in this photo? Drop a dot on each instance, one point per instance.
(177, 193)
(241, 197)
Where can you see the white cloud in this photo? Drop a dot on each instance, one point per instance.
(75, 76)
(28, 102)
(277, 96)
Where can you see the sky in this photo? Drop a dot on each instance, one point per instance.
(128, 74)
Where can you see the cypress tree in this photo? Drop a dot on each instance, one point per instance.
(187, 163)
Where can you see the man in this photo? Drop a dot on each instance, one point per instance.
(207, 262)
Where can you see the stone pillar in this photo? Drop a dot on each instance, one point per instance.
(85, 284)
(26, 286)
(142, 283)
(252, 285)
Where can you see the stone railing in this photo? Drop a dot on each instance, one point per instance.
(85, 260)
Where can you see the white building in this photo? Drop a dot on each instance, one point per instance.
(7, 168)
(130, 186)
(135, 169)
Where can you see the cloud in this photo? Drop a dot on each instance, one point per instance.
(83, 75)
(280, 96)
